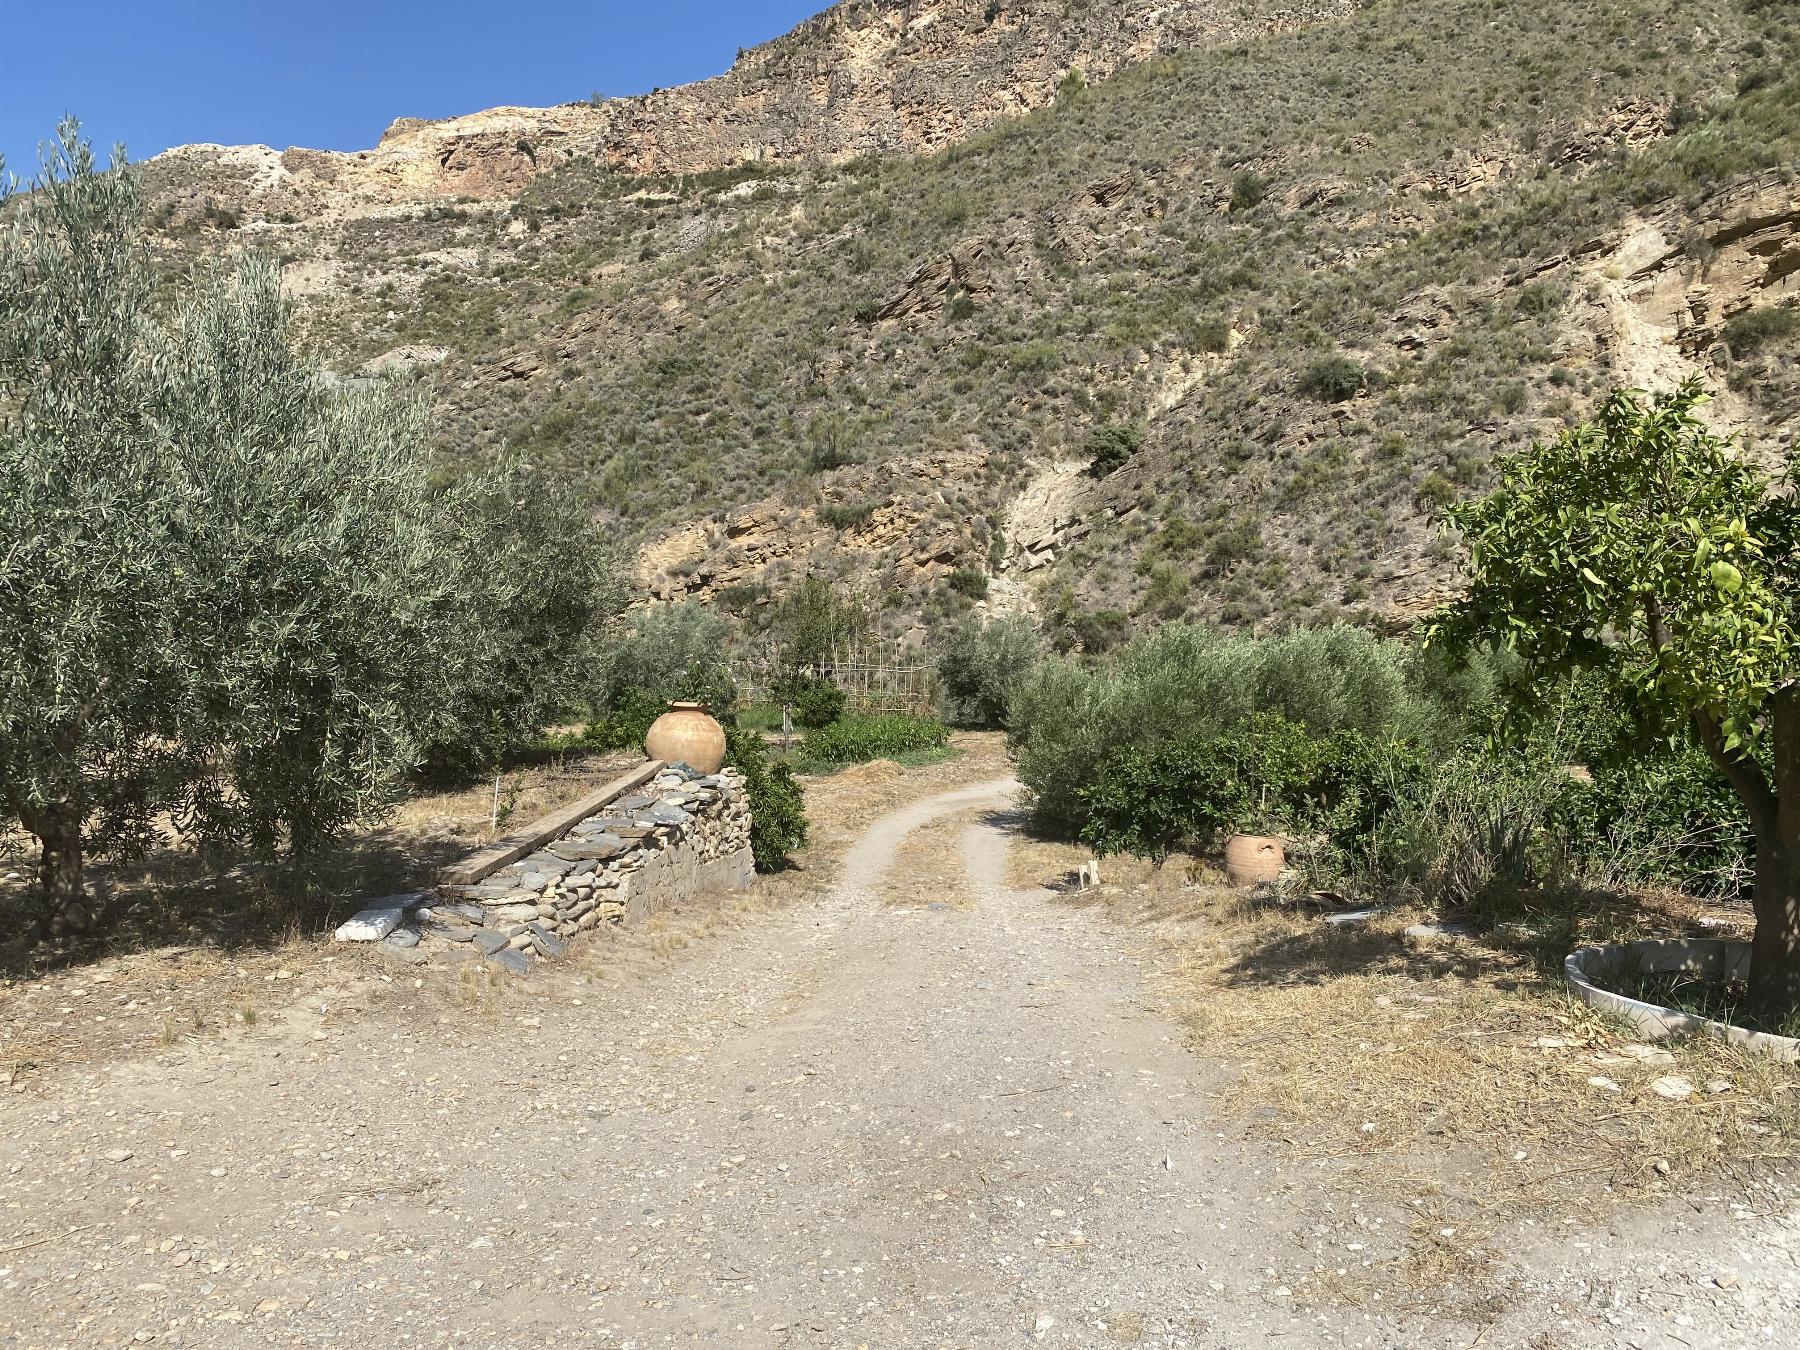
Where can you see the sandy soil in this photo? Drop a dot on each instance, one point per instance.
(875, 1108)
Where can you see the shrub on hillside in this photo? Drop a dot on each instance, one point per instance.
(1111, 447)
(856, 739)
(980, 664)
(846, 515)
(777, 806)
(968, 581)
(1746, 332)
(1332, 379)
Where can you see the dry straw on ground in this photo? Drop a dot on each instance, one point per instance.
(1450, 1074)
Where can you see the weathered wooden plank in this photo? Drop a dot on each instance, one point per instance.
(542, 830)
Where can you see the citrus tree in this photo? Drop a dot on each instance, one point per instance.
(1641, 542)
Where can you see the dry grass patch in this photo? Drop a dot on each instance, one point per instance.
(930, 852)
(1360, 1042)
(199, 951)
(1451, 1076)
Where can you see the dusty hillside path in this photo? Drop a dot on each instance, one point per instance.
(949, 1119)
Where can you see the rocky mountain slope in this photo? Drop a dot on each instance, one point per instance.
(1215, 335)
(864, 77)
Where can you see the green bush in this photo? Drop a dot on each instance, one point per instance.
(969, 581)
(1745, 333)
(980, 664)
(857, 739)
(1474, 826)
(1332, 379)
(1267, 775)
(1183, 682)
(1109, 448)
(777, 806)
(815, 700)
(1248, 189)
(846, 515)
(665, 653)
(812, 623)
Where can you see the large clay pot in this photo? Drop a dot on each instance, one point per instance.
(1250, 858)
(686, 734)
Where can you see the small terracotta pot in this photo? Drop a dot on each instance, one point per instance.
(1250, 858)
(686, 734)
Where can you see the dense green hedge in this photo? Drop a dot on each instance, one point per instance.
(1405, 777)
(1069, 719)
(856, 739)
(1269, 775)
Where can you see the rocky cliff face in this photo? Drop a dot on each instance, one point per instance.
(1315, 274)
(865, 77)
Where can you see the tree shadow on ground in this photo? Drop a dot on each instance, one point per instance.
(1327, 952)
(179, 899)
(1517, 937)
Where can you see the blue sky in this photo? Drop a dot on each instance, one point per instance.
(332, 75)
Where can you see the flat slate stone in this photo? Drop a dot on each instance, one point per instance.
(633, 803)
(485, 891)
(546, 942)
(459, 910)
(598, 848)
(403, 937)
(449, 934)
(600, 824)
(489, 942)
(372, 925)
(512, 960)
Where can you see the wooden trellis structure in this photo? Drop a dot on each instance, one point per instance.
(871, 683)
(874, 686)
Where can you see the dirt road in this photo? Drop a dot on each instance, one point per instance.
(951, 1118)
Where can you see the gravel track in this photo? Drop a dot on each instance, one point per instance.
(956, 1120)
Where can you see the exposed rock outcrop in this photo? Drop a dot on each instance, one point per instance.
(864, 77)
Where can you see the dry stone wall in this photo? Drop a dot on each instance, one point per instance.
(679, 835)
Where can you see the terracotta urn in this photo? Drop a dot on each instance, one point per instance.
(1250, 858)
(687, 734)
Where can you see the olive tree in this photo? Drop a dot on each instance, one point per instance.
(980, 664)
(1640, 542)
(232, 606)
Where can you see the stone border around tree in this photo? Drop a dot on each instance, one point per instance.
(652, 839)
(1713, 958)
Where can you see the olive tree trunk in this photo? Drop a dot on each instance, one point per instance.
(62, 888)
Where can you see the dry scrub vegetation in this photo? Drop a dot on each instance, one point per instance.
(1449, 1073)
